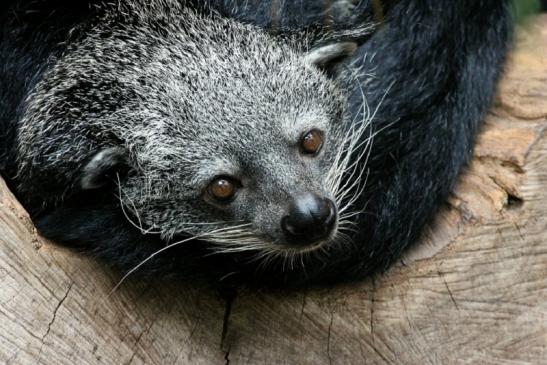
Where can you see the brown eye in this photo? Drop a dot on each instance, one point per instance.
(223, 188)
(311, 142)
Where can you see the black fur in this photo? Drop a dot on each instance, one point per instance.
(436, 63)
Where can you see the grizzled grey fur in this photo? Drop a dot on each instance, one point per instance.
(183, 98)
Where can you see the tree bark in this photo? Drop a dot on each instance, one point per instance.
(473, 291)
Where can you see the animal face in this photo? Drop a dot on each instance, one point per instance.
(243, 157)
(265, 177)
(224, 133)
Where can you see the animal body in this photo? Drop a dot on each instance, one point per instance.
(241, 143)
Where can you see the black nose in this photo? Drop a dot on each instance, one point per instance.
(310, 219)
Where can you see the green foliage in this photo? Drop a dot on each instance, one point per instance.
(525, 8)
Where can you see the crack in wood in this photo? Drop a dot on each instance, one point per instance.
(230, 295)
(441, 275)
(138, 339)
(372, 309)
(59, 304)
(303, 306)
(55, 312)
(227, 356)
(132, 355)
(328, 337)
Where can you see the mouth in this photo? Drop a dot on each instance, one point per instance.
(310, 246)
(247, 240)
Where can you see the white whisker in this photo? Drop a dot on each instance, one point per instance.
(348, 176)
(150, 257)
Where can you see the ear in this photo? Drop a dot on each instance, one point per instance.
(102, 167)
(326, 55)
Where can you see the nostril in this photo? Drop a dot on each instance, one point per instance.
(288, 227)
(322, 211)
(332, 213)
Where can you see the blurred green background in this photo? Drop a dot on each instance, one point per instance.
(524, 8)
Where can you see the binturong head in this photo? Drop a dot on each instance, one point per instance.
(211, 128)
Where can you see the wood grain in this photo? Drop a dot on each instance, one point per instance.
(472, 292)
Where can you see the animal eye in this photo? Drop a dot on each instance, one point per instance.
(311, 142)
(223, 189)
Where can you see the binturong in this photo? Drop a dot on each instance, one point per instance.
(259, 141)
(186, 128)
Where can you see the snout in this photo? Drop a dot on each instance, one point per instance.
(310, 219)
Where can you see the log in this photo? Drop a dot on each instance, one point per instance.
(473, 291)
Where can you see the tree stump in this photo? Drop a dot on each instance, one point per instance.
(474, 291)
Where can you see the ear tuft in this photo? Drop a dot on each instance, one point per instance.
(325, 55)
(96, 172)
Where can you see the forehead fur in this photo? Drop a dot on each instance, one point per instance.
(202, 85)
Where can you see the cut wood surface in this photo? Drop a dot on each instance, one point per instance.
(473, 291)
